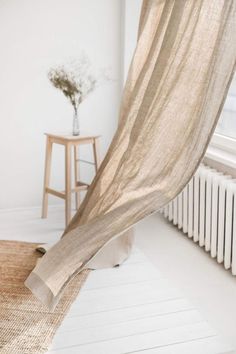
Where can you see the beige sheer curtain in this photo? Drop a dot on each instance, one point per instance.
(178, 80)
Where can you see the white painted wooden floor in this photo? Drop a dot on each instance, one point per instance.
(134, 309)
(129, 309)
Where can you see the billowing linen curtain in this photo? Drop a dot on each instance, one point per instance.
(176, 87)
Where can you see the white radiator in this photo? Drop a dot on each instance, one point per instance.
(206, 212)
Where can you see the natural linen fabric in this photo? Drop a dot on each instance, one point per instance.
(176, 87)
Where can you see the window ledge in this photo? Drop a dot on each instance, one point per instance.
(221, 156)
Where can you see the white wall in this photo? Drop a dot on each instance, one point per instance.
(34, 36)
(132, 9)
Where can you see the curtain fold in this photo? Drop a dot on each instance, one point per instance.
(176, 87)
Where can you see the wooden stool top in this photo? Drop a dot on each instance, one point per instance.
(69, 138)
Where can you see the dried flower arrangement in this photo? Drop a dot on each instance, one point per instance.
(76, 82)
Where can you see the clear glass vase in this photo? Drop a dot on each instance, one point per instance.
(76, 128)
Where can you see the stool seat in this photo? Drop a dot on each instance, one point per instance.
(69, 142)
(75, 139)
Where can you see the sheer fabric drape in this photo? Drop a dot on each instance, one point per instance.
(177, 84)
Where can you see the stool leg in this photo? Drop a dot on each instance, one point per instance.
(47, 172)
(68, 183)
(76, 168)
(96, 153)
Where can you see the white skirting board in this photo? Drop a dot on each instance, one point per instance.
(134, 309)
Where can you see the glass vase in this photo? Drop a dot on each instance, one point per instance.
(76, 128)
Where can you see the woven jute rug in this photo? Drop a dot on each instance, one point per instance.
(26, 326)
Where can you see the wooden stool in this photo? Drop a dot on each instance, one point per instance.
(68, 141)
